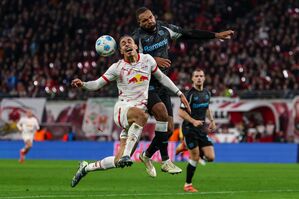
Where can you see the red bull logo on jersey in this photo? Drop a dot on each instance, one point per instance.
(137, 79)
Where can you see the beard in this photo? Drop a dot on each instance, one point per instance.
(150, 28)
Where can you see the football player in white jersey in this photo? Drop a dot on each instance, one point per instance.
(132, 74)
(28, 125)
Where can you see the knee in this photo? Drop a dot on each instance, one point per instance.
(160, 113)
(29, 145)
(195, 158)
(210, 158)
(142, 118)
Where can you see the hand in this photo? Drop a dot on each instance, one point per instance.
(212, 126)
(185, 102)
(162, 62)
(77, 83)
(225, 34)
(197, 123)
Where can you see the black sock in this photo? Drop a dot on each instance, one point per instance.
(153, 147)
(190, 173)
(163, 145)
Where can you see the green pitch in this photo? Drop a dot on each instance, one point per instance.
(51, 179)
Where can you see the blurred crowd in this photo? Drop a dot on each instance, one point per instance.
(45, 44)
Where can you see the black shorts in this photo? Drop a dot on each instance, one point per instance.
(159, 95)
(196, 138)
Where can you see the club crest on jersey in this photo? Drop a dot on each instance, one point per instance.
(161, 32)
(137, 79)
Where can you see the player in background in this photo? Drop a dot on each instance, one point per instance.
(195, 128)
(28, 125)
(153, 37)
(132, 74)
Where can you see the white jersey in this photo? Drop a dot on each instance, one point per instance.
(132, 79)
(28, 125)
(133, 83)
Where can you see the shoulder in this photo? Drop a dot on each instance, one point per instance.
(207, 91)
(190, 92)
(135, 33)
(117, 64)
(162, 23)
(147, 58)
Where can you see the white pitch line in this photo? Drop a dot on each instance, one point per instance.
(148, 194)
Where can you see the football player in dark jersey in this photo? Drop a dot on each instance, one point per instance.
(195, 128)
(153, 37)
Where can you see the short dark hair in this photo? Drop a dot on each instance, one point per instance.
(198, 70)
(139, 11)
(122, 38)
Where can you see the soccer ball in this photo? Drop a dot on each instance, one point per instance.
(105, 46)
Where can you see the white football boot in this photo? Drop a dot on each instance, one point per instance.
(150, 169)
(169, 167)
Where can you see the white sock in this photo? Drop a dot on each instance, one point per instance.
(193, 162)
(106, 163)
(133, 135)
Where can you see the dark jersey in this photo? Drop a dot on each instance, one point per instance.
(199, 103)
(157, 43)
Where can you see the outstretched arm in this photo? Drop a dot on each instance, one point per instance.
(165, 81)
(90, 85)
(108, 76)
(201, 34)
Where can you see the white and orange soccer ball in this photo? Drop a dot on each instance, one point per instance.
(105, 46)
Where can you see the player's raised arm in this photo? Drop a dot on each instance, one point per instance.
(201, 34)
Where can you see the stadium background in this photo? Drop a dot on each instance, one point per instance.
(254, 80)
(253, 77)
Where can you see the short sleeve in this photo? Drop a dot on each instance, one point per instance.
(174, 31)
(153, 63)
(110, 74)
(189, 98)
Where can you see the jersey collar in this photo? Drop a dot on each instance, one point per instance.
(138, 58)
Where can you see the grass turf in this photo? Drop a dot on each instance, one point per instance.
(51, 179)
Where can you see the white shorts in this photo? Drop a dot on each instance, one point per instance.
(28, 136)
(121, 110)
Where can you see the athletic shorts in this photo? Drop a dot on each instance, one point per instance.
(159, 95)
(28, 136)
(121, 109)
(195, 138)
